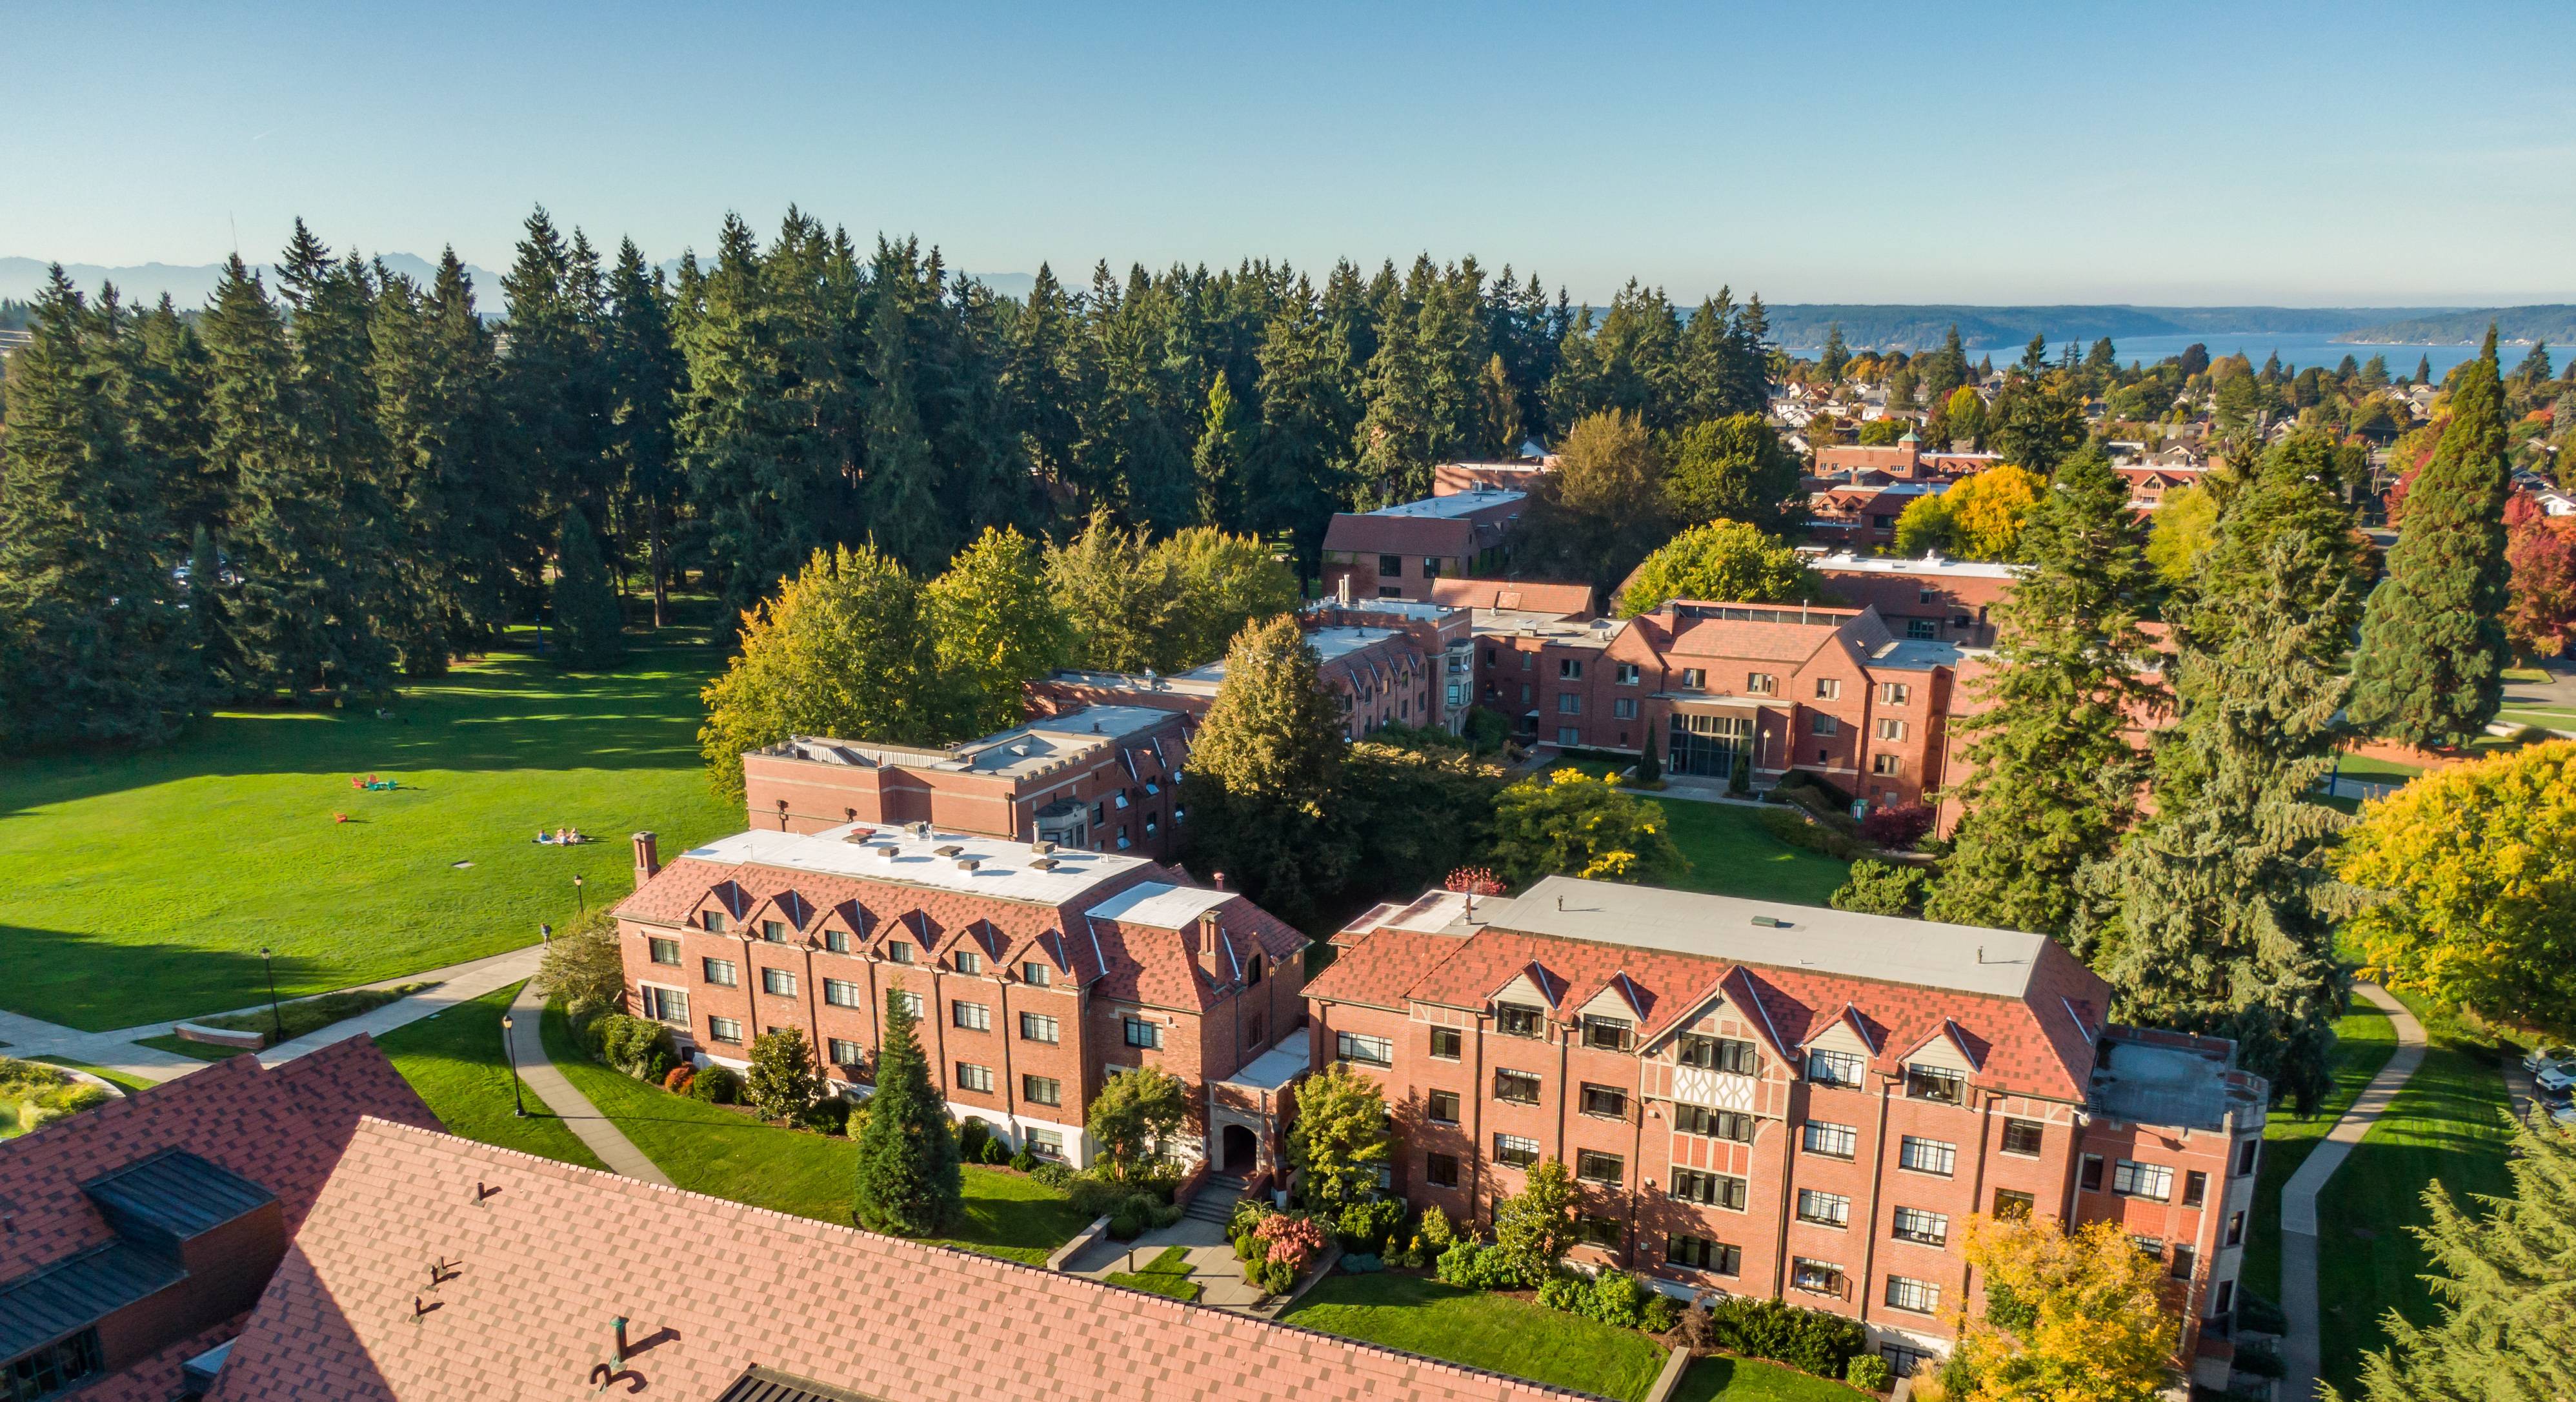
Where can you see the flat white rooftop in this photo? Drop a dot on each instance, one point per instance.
(1931, 564)
(1160, 905)
(1455, 504)
(1001, 868)
(1329, 644)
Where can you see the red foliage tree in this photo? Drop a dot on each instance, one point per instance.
(2541, 551)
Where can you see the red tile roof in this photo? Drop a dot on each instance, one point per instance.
(1534, 595)
(545, 1256)
(1449, 536)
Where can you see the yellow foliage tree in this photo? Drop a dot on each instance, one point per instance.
(2070, 1316)
(1986, 511)
(2479, 864)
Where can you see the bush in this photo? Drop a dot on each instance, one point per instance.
(1361, 1263)
(1899, 827)
(1790, 826)
(1024, 1161)
(1248, 1246)
(972, 1136)
(1051, 1174)
(829, 1115)
(1810, 1340)
(1367, 1226)
(1125, 1225)
(1561, 1293)
(1660, 1314)
(1868, 1372)
(995, 1152)
(1617, 1298)
(1278, 1277)
(677, 1082)
(1472, 1265)
(585, 965)
(635, 1046)
(1247, 1214)
(716, 1085)
(782, 1081)
(1879, 888)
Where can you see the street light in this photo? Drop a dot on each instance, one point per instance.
(577, 895)
(518, 1106)
(276, 1019)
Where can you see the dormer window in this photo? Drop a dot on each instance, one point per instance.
(714, 921)
(1935, 1083)
(774, 931)
(1733, 1055)
(898, 951)
(1036, 975)
(969, 962)
(1609, 1033)
(1252, 971)
(1513, 1020)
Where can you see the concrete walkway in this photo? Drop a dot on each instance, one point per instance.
(1211, 1257)
(2301, 1347)
(527, 1043)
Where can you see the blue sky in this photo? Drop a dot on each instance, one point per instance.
(2305, 155)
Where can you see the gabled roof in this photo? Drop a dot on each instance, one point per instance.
(547, 1255)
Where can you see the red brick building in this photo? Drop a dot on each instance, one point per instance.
(1862, 517)
(1035, 971)
(1905, 460)
(1451, 478)
(1390, 660)
(1929, 600)
(1553, 598)
(1789, 1101)
(1395, 552)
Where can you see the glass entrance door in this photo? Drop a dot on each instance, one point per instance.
(1709, 746)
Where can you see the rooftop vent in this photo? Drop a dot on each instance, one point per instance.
(887, 850)
(1772, 922)
(968, 863)
(948, 849)
(1042, 848)
(1043, 864)
(917, 829)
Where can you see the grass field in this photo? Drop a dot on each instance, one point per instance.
(141, 887)
(454, 1062)
(1499, 1333)
(1732, 855)
(181, 1046)
(726, 1153)
(1718, 1378)
(2364, 1040)
(2446, 1126)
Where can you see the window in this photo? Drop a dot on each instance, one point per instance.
(1919, 1296)
(714, 922)
(2090, 1178)
(975, 1078)
(1923, 629)
(1440, 1170)
(1599, 1231)
(57, 1367)
(1817, 1277)
(1036, 975)
(1822, 724)
(1716, 1124)
(1709, 1189)
(1762, 683)
(2195, 1188)
(1833, 1068)
(1446, 1043)
(774, 931)
(1367, 1051)
(1141, 1033)
(1829, 689)
(1513, 1020)
(837, 941)
(1624, 707)
(1038, 1027)
(846, 1053)
(1923, 1228)
(1609, 1102)
(1569, 669)
(1928, 1156)
(1832, 1141)
(1518, 1087)
(2224, 1300)
(907, 1000)
(1894, 693)
(898, 951)
(1252, 971)
(1430, 567)
(1823, 1209)
(719, 972)
(2022, 1137)
(1041, 1090)
(2245, 1156)
(1441, 1106)
(778, 983)
(968, 962)
(665, 1004)
(1890, 728)
(1626, 674)
(1252, 1031)
(1569, 703)
(2183, 1258)
(1701, 1254)
(666, 952)
(2235, 1229)
(1609, 1033)
(1515, 1150)
(1390, 566)
(1568, 736)
(1729, 1054)
(974, 1017)
(1045, 1143)
(724, 1029)
(1694, 679)
(1935, 1084)
(2153, 1182)
(1903, 1362)
(2012, 1205)
(1593, 1166)
(841, 993)
(1886, 766)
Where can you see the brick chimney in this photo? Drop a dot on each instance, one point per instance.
(648, 861)
(1212, 949)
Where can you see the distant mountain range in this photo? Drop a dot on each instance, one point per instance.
(190, 285)
(2554, 324)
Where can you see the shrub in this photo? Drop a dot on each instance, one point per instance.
(1278, 1277)
(782, 1081)
(1050, 1173)
(1868, 1372)
(1616, 1297)
(1810, 1340)
(585, 965)
(1124, 1225)
(1660, 1313)
(995, 1151)
(1900, 826)
(1472, 1265)
(1433, 1235)
(1367, 1226)
(1024, 1161)
(1248, 1246)
(1790, 826)
(1247, 1214)
(1879, 888)
(1294, 1240)
(635, 1046)
(972, 1136)
(1361, 1263)
(829, 1115)
(1561, 1293)
(677, 1082)
(1095, 1196)
(717, 1085)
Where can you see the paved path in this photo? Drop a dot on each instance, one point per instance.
(527, 1043)
(2300, 1347)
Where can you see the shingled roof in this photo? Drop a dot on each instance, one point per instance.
(545, 1257)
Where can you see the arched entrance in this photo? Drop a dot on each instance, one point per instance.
(1239, 1150)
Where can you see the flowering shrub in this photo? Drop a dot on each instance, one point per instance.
(1293, 1240)
(1899, 827)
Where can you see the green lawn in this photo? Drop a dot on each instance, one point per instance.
(1719, 1378)
(1731, 854)
(180, 1046)
(140, 887)
(1166, 1274)
(118, 1079)
(2446, 1126)
(2364, 1040)
(1499, 1333)
(455, 1062)
(2375, 771)
(726, 1153)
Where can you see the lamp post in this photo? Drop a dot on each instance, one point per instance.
(577, 895)
(518, 1107)
(276, 1019)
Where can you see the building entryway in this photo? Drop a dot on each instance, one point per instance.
(1708, 746)
(1238, 1151)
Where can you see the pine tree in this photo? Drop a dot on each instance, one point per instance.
(1219, 461)
(2054, 780)
(1296, 470)
(589, 623)
(2430, 668)
(92, 649)
(210, 617)
(1835, 357)
(909, 1182)
(640, 367)
(1265, 775)
(901, 487)
(452, 497)
(2506, 1284)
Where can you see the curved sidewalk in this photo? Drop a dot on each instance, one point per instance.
(527, 1043)
(2301, 1347)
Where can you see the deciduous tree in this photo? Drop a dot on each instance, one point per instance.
(1221, 583)
(1567, 822)
(1136, 1114)
(2070, 1316)
(1119, 595)
(1265, 775)
(2540, 552)
(1534, 1228)
(996, 625)
(1723, 561)
(1341, 1137)
(782, 1080)
(1735, 468)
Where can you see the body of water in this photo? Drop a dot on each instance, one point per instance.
(2299, 351)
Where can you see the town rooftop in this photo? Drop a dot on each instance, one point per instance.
(979, 865)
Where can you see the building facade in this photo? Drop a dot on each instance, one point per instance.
(1787, 1101)
(1929, 600)
(1396, 552)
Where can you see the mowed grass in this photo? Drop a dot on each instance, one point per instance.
(142, 887)
(1499, 1333)
(2446, 1126)
(1731, 854)
(2364, 1040)
(725, 1153)
(1720, 1378)
(455, 1063)
(123, 1082)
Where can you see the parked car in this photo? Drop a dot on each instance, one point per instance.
(2541, 1057)
(2555, 1081)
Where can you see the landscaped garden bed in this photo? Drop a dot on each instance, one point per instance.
(296, 1018)
(1166, 1274)
(33, 1095)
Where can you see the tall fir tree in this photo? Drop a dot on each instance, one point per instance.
(1265, 776)
(909, 1181)
(2430, 668)
(589, 623)
(901, 486)
(1296, 471)
(1219, 461)
(210, 617)
(2053, 779)
(640, 369)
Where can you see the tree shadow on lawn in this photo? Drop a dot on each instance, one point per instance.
(92, 984)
